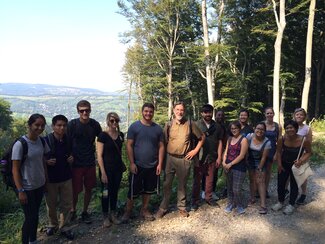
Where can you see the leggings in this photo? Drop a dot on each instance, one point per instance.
(31, 211)
(114, 180)
(282, 179)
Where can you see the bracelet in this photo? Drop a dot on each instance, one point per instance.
(21, 190)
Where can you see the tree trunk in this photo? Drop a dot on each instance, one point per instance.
(129, 103)
(170, 89)
(281, 23)
(320, 71)
(309, 46)
(283, 102)
(208, 68)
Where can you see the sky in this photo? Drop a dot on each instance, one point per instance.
(62, 42)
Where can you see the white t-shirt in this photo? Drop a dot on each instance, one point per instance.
(32, 170)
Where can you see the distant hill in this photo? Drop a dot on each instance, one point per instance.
(21, 89)
(26, 99)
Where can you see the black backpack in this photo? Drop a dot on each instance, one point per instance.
(6, 169)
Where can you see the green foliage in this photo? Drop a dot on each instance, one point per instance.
(5, 115)
(318, 125)
(318, 149)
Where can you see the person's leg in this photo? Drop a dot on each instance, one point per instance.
(230, 192)
(114, 187)
(77, 187)
(293, 189)
(51, 203)
(89, 183)
(209, 176)
(168, 181)
(183, 167)
(260, 180)
(65, 202)
(282, 181)
(252, 185)
(238, 179)
(197, 178)
(268, 174)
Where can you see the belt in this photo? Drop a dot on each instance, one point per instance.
(176, 156)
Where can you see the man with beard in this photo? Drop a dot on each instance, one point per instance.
(209, 158)
(178, 135)
(145, 149)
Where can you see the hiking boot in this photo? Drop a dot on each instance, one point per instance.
(240, 210)
(107, 223)
(229, 208)
(85, 217)
(50, 231)
(68, 234)
(114, 219)
(146, 215)
(183, 213)
(277, 206)
(301, 199)
(288, 210)
(215, 196)
(160, 213)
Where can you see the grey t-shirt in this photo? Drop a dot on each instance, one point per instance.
(146, 141)
(259, 146)
(32, 170)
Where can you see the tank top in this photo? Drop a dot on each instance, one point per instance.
(233, 152)
(290, 154)
(272, 135)
(303, 131)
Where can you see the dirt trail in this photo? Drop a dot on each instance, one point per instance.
(213, 225)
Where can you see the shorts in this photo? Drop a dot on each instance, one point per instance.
(144, 182)
(253, 165)
(83, 177)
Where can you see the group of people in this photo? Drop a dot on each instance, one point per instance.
(64, 164)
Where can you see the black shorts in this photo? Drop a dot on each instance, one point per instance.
(144, 182)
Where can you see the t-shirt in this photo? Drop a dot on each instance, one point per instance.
(303, 131)
(61, 171)
(32, 170)
(259, 146)
(178, 136)
(82, 137)
(146, 141)
(246, 130)
(111, 155)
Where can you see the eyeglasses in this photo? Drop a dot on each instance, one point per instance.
(113, 121)
(84, 110)
(234, 128)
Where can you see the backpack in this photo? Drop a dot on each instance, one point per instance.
(6, 162)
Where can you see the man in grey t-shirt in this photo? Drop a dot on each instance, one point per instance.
(145, 149)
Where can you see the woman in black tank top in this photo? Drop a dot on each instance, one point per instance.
(288, 148)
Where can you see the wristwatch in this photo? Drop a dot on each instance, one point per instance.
(21, 190)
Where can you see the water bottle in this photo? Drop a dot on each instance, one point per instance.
(105, 191)
(3, 164)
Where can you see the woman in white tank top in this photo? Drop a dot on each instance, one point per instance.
(300, 116)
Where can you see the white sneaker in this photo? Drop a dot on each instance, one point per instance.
(214, 196)
(203, 195)
(288, 209)
(277, 206)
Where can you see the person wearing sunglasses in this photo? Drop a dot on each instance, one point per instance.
(82, 133)
(111, 166)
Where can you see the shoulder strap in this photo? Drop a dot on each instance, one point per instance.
(301, 146)
(51, 143)
(264, 144)
(116, 146)
(25, 148)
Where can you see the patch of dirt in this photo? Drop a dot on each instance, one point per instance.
(213, 225)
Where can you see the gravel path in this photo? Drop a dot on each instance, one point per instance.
(213, 225)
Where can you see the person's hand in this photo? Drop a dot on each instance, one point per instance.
(104, 178)
(70, 159)
(190, 154)
(133, 168)
(298, 163)
(227, 167)
(218, 163)
(158, 170)
(51, 161)
(22, 196)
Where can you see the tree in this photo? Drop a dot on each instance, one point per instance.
(281, 23)
(5, 115)
(309, 46)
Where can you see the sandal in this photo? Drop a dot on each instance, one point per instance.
(262, 210)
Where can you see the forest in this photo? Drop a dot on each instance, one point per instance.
(232, 54)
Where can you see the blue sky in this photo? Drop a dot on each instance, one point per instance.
(72, 43)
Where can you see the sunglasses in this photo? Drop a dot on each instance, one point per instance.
(113, 121)
(84, 110)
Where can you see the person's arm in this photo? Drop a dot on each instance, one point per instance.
(193, 152)
(129, 150)
(225, 154)
(263, 159)
(100, 159)
(307, 153)
(219, 150)
(16, 164)
(161, 154)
